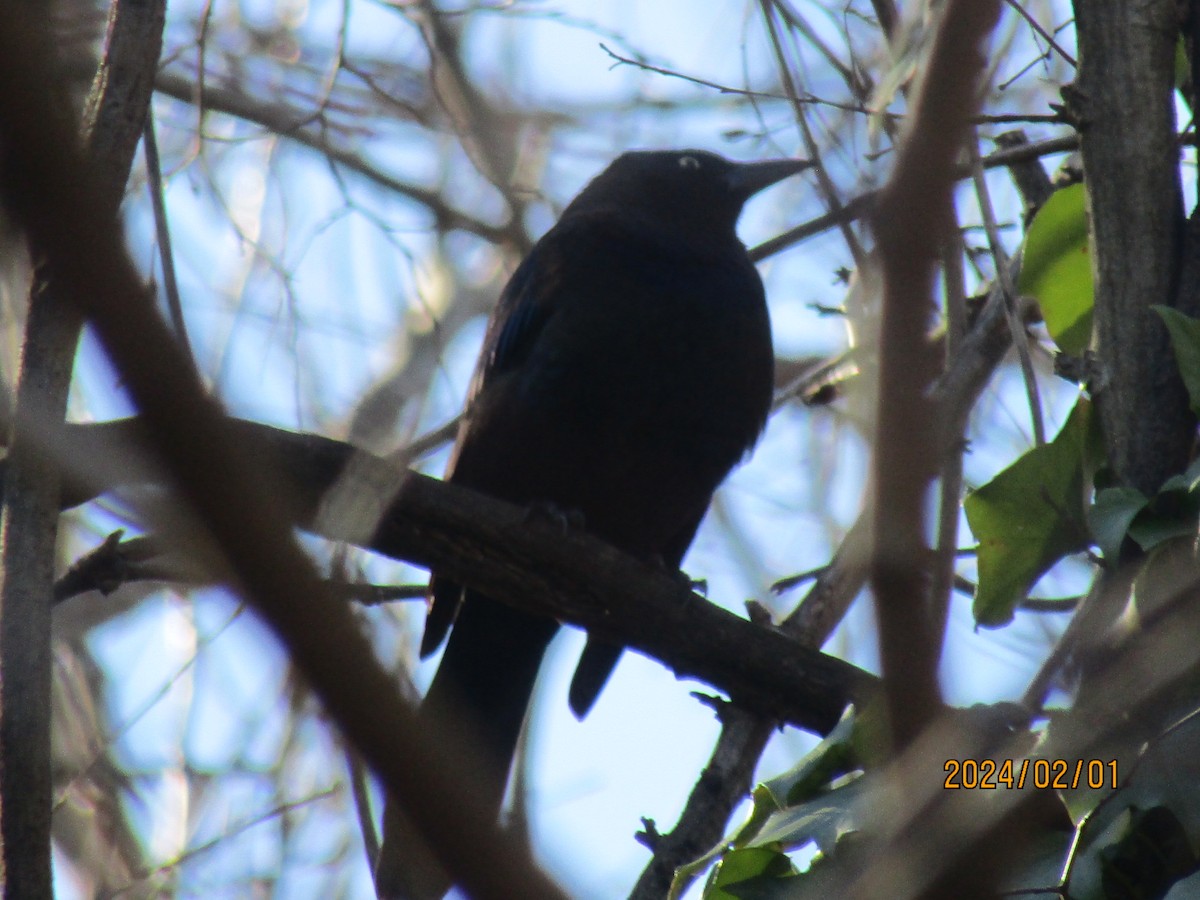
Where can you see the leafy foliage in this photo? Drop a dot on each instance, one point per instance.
(1185, 341)
(1056, 268)
(814, 803)
(1031, 515)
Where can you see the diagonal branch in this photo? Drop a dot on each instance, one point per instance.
(298, 127)
(341, 493)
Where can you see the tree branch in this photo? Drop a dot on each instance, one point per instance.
(113, 120)
(346, 494)
(297, 126)
(1123, 101)
(910, 221)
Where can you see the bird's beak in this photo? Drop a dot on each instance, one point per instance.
(747, 179)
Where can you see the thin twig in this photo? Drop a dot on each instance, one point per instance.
(290, 124)
(829, 192)
(1004, 275)
(162, 232)
(362, 806)
(741, 92)
(951, 476)
(1045, 35)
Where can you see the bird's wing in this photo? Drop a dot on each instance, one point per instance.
(525, 305)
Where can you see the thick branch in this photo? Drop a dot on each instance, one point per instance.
(498, 548)
(910, 222)
(1123, 100)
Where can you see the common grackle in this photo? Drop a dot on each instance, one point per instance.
(626, 369)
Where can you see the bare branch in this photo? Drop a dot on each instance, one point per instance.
(911, 222)
(116, 112)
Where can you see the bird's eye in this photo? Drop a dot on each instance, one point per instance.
(689, 162)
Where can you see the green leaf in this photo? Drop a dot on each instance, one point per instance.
(1111, 515)
(823, 820)
(1185, 341)
(1121, 512)
(1151, 531)
(748, 873)
(1187, 482)
(775, 820)
(1030, 516)
(833, 757)
(1056, 268)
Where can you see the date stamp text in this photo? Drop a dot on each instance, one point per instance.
(1058, 774)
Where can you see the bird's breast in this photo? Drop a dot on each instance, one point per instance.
(647, 384)
(670, 361)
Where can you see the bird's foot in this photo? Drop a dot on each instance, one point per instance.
(649, 837)
(565, 520)
(680, 577)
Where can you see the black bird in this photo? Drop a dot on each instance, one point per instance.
(626, 369)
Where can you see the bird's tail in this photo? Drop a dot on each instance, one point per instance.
(479, 696)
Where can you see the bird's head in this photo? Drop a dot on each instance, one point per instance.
(692, 191)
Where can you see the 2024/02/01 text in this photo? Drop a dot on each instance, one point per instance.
(1059, 774)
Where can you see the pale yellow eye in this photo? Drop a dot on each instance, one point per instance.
(689, 162)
